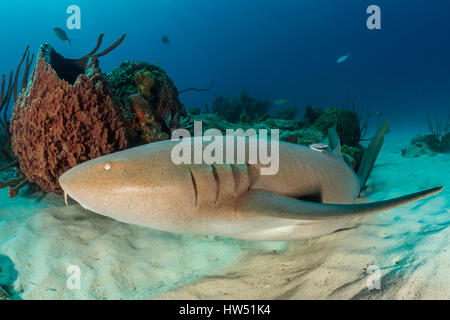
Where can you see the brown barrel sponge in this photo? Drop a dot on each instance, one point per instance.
(63, 118)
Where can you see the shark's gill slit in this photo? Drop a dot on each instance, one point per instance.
(217, 180)
(236, 178)
(194, 184)
(253, 175)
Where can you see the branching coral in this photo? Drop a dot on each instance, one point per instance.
(57, 124)
(15, 183)
(363, 121)
(311, 115)
(70, 69)
(6, 97)
(198, 89)
(438, 141)
(6, 152)
(231, 109)
(440, 128)
(254, 108)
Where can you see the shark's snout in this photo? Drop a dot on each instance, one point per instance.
(67, 182)
(76, 182)
(69, 179)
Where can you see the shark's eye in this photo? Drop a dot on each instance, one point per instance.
(107, 166)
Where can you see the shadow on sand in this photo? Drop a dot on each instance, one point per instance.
(8, 275)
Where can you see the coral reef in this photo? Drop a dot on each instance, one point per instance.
(427, 145)
(231, 109)
(440, 131)
(353, 155)
(288, 113)
(254, 108)
(71, 112)
(159, 91)
(307, 130)
(311, 115)
(290, 130)
(346, 124)
(87, 114)
(148, 129)
(195, 111)
(66, 116)
(419, 146)
(144, 82)
(437, 141)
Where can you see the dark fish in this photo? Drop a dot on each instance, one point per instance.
(165, 39)
(62, 35)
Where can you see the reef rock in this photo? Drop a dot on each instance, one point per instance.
(346, 124)
(152, 84)
(64, 117)
(429, 145)
(147, 129)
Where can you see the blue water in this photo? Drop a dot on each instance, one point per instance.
(275, 49)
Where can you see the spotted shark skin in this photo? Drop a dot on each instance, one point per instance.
(312, 194)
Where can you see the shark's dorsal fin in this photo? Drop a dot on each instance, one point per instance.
(263, 202)
(371, 154)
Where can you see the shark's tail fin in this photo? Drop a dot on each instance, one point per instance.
(265, 202)
(370, 155)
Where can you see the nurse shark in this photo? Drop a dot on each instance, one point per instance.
(312, 194)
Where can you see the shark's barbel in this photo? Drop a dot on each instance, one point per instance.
(312, 194)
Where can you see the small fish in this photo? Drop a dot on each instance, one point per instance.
(343, 58)
(62, 35)
(281, 101)
(379, 113)
(321, 147)
(165, 39)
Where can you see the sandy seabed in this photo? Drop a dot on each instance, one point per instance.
(40, 238)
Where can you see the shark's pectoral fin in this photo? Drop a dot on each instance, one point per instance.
(335, 143)
(262, 202)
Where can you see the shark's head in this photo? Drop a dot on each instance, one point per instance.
(116, 184)
(93, 183)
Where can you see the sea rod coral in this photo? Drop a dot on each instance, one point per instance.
(8, 94)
